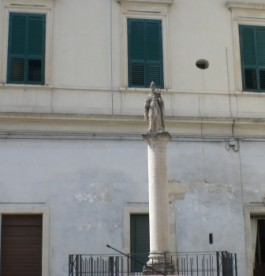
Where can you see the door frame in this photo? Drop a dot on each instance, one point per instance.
(36, 209)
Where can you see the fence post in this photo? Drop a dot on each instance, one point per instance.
(70, 266)
(235, 264)
(217, 263)
(78, 265)
(111, 266)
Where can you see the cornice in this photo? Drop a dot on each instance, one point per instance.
(65, 126)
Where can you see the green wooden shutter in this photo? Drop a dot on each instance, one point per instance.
(36, 49)
(252, 47)
(139, 225)
(260, 37)
(136, 53)
(145, 58)
(154, 59)
(17, 48)
(26, 51)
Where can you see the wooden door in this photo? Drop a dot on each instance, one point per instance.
(21, 245)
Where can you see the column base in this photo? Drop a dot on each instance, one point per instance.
(159, 264)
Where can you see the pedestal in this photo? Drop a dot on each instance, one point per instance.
(159, 260)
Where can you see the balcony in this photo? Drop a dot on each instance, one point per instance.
(221, 263)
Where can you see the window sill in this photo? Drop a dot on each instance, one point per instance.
(25, 86)
(168, 2)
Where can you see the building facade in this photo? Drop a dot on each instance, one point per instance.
(74, 76)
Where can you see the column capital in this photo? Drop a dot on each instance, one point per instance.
(156, 137)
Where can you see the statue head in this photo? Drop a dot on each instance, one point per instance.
(152, 86)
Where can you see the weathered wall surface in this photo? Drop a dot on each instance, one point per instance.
(86, 184)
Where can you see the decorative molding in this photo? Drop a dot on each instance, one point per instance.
(28, 3)
(245, 4)
(88, 127)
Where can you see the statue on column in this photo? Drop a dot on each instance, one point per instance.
(154, 111)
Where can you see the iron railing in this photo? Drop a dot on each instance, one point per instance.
(219, 263)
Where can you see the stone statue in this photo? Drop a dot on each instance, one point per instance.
(154, 111)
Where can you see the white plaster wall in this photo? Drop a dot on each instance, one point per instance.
(81, 42)
(200, 30)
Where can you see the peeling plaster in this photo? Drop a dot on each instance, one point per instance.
(219, 188)
(96, 195)
(86, 227)
(92, 198)
(177, 190)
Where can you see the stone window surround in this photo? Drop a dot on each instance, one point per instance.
(243, 13)
(143, 208)
(31, 209)
(128, 209)
(27, 6)
(144, 9)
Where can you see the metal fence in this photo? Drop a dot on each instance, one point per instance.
(185, 264)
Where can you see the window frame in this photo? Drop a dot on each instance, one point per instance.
(152, 11)
(145, 61)
(251, 14)
(44, 7)
(257, 67)
(26, 56)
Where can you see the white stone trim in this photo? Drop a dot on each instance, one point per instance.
(144, 10)
(28, 6)
(39, 208)
(128, 209)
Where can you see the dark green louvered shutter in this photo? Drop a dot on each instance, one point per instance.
(145, 58)
(26, 48)
(260, 34)
(136, 52)
(154, 60)
(139, 225)
(252, 46)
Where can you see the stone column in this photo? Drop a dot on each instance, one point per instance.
(158, 202)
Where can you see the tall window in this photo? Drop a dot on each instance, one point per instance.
(252, 46)
(145, 53)
(26, 48)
